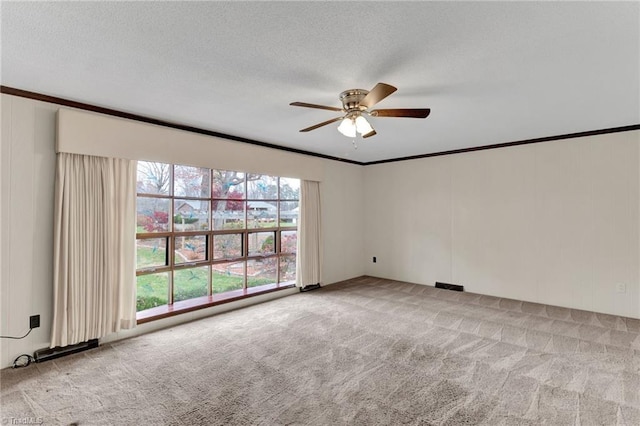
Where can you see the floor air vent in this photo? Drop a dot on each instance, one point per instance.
(47, 354)
(446, 286)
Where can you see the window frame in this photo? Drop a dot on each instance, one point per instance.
(172, 234)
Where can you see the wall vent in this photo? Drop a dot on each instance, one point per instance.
(454, 287)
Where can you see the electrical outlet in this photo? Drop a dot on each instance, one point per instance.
(34, 321)
(621, 288)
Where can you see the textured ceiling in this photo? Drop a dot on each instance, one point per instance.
(491, 72)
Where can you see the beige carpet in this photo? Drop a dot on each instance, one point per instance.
(365, 352)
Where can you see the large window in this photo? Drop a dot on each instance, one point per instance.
(205, 235)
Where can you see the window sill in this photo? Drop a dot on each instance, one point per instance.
(185, 306)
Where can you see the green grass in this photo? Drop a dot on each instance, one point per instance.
(188, 283)
(152, 289)
(257, 281)
(148, 256)
(225, 282)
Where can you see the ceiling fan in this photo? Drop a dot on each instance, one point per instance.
(356, 103)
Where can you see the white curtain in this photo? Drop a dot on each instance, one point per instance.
(94, 252)
(309, 259)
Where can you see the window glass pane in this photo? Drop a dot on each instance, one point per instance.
(288, 269)
(288, 241)
(151, 252)
(262, 187)
(262, 214)
(153, 178)
(191, 182)
(228, 214)
(289, 189)
(228, 184)
(190, 249)
(152, 290)
(289, 213)
(190, 283)
(227, 246)
(262, 243)
(191, 215)
(261, 271)
(227, 277)
(152, 214)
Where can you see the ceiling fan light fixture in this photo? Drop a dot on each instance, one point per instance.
(362, 125)
(348, 127)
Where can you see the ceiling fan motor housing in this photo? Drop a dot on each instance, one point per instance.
(351, 100)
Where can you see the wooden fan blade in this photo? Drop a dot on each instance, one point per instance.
(324, 123)
(306, 105)
(377, 94)
(368, 135)
(411, 113)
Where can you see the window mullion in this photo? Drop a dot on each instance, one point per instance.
(171, 258)
(278, 250)
(210, 261)
(245, 255)
(172, 239)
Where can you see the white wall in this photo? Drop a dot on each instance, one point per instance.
(26, 235)
(555, 222)
(27, 175)
(342, 198)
